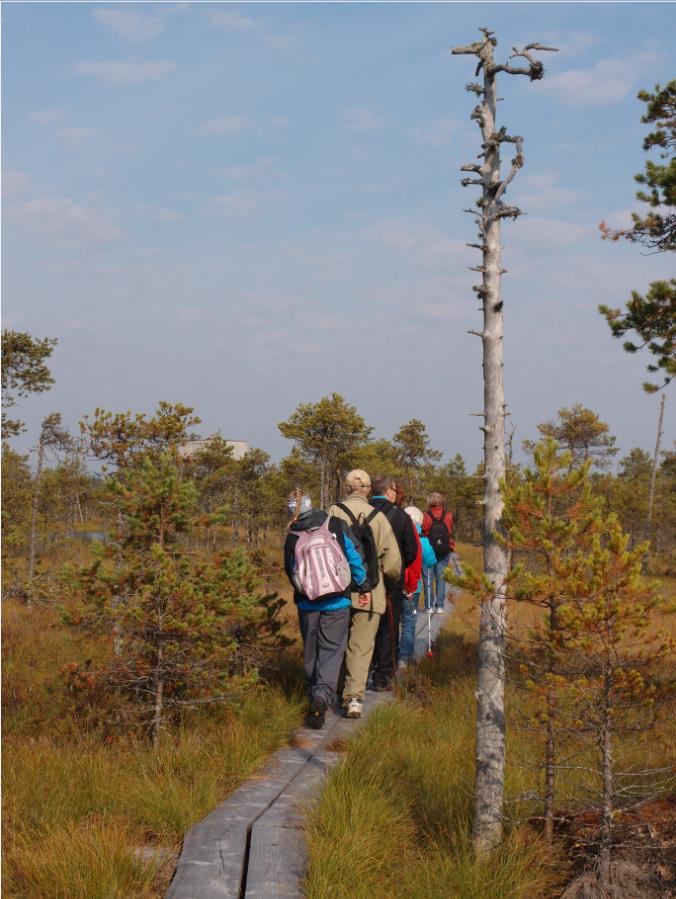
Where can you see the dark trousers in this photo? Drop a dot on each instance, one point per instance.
(386, 649)
(324, 642)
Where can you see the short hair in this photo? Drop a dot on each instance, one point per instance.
(382, 483)
(414, 514)
(435, 499)
(357, 479)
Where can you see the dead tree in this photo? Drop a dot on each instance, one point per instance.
(653, 473)
(491, 209)
(52, 436)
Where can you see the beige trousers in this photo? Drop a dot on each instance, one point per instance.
(360, 643)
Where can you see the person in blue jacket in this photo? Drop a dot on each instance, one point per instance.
(324, 623)
(409, 610)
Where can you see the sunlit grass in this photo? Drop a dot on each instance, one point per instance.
(79, 804)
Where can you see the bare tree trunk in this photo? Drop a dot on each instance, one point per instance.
(235, 517)
(35, 507)
(159, 700)
(323, 491)
(606, 748)
(490, 728)
(656, 464)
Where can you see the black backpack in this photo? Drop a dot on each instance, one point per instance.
(439, 536)
(361, 535)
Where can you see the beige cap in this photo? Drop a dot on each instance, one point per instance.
(358, 478)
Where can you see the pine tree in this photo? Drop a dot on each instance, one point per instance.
(326, 433)
(193, 630)
(24, 371)
(491, 210)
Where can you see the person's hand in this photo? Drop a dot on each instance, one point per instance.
(364, 599)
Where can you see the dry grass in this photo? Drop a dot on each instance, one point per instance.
(79, 804)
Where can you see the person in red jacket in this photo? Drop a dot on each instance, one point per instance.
(437, 526)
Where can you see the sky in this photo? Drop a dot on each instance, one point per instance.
(243, 207)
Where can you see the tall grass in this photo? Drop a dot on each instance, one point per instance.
(79, 803)
(394, 820)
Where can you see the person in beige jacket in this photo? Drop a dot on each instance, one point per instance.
(366, 613)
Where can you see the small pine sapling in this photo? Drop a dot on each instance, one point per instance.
(193, 630)
(617, 658)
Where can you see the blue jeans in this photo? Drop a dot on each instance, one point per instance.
(433, 580)
(409, 612)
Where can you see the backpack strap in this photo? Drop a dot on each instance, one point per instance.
(371, 516)
(349, 513)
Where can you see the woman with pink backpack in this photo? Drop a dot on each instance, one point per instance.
(323, 566)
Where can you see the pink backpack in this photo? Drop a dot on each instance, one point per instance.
(321, 567)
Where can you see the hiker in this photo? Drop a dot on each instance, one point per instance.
(411, 601)
(373, 532)
(386, 649)
(325, 567)
(437, 526)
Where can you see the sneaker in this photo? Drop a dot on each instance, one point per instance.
(317, 714)
(438, 610)
(403, 664)
(355, 707)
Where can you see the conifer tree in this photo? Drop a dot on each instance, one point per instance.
(24, 371)
(551, 516)
(617, 655)
(582, 432)
(326, 433)
(52, 437)
(194, 630)
(491, 210)
(414, 451)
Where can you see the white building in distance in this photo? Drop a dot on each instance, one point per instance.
(239, 448)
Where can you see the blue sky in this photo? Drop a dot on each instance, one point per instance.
(246, 206)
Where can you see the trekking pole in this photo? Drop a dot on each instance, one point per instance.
(430, 653)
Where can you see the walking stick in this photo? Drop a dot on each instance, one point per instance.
(430, 653)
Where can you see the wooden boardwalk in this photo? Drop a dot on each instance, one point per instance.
(252, 845)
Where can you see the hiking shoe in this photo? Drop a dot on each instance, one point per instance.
(317, 714)
(355, 707)
(403, 664)
(381, 688)
(438, 610)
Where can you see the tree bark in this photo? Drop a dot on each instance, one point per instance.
(35, 507)
(653, 473)
(607, 775)
(490, 727)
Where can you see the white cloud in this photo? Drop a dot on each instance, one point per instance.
(62, 219)
(49, 116)
(279, 121)
(128, 22)
(243, 203)
(230, 19)
(125, 72)
(440, 133)
(607, 81)
(229, 124)
(361, 118)
(542, 192)
(15, 183)
(72, 137)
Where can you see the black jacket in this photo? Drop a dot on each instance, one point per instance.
(403, 529)
(312, 519)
